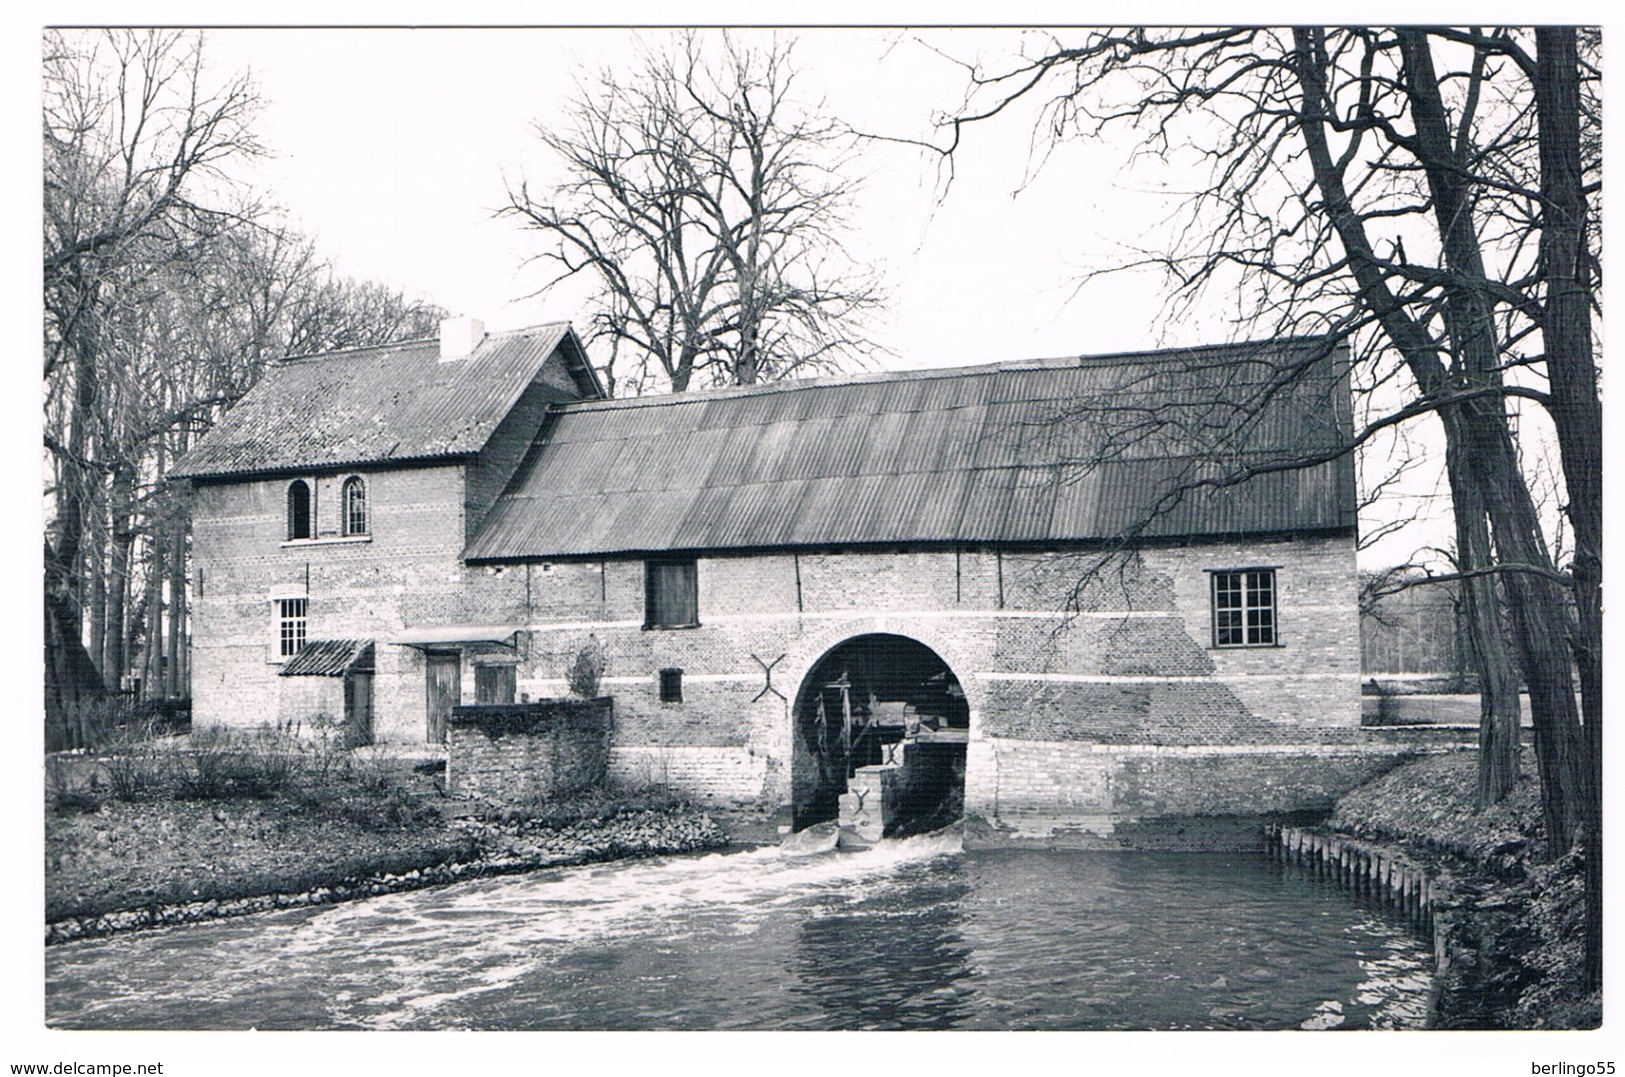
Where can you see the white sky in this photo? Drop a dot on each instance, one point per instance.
(392, 147)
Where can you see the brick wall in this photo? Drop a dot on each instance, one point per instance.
(1036, 787)
(306, 704)
(1133, 666)
(405, 574)
(531, 751)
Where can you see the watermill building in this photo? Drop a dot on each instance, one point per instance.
(1078, 594)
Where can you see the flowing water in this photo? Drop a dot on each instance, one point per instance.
(909, 934)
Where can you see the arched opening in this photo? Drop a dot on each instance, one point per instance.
(355, 506)
(299, 515)
(881, 725)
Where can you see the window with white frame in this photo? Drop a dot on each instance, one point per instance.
(290, 617)
(355, 506)
(1244, 608)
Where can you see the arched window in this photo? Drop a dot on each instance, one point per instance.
(355, 506)
(299, 514)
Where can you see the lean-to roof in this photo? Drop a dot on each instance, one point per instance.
(329, 658)
(394, 402)
(1051, 451)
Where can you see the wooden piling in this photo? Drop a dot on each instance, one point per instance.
(1373, 874)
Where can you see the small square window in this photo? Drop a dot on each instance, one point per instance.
(671, 685)
(1244, 608)
(495, 684)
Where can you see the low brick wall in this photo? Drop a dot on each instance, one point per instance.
(529, 751)
(1130, 794)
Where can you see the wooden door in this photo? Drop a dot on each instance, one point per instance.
(445, 690)
(358, 709)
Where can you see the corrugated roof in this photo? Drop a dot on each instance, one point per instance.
(372, 405)
(1080, 449)
(329, 658)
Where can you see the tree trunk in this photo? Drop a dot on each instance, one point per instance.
(152, 683)
(1539, 610)
(176, 686)
(63, 579)
(1576, 412)
(97, 570)
(118, 573)
(72, 682)
(1498, 681)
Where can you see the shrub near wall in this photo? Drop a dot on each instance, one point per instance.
(529, 751)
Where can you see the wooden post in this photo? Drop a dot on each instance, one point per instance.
(846, 724)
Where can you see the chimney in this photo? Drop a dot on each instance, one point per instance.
(459, 337)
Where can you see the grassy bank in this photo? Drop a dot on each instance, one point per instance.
(168, 832)
(1515, 920)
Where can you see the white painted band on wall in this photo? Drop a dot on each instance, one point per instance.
(917, 615)
(1079, 747)
(859, 614)
(580, 626)
(1195, 678)
(688, 678)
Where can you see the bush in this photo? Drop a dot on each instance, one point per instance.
(397, 808)
(113, 720)
(136, 768)
(63, 790)
(223, 764)
(587, 671)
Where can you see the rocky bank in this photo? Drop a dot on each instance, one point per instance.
(128, 865)
(1509, 929)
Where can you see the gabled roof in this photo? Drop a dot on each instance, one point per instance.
(1069, 450)
(393, 402)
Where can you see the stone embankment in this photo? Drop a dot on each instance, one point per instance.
(503, 848)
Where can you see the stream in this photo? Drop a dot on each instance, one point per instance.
(910, 934)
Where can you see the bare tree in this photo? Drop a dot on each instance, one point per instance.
(708, 205)
(1326, 154)
(167, 289)
(133, 139)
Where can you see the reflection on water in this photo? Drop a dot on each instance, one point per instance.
(890, 964)
(910, 934)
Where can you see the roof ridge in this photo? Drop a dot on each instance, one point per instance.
(336, 352)
(416, 407)
(1062, 362)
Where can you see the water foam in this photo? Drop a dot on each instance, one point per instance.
(488, 934)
